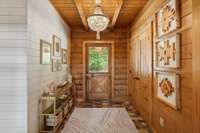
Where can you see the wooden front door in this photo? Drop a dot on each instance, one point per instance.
(98, 72)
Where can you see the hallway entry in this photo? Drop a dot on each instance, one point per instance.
(98, 70)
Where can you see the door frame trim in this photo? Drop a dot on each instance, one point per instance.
(195, 65)
(111, 65)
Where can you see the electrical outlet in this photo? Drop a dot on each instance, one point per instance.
(162, 122)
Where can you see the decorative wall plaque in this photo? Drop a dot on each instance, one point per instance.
(167, 18)
(168, 52)
(168, 88)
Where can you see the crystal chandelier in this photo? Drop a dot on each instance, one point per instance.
(98, 21)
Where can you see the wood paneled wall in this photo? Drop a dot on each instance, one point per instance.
(175, 121)
(140, 70)
(196, 63)
(120, 44)
(13, 66)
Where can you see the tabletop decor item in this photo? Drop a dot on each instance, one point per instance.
(52, 87)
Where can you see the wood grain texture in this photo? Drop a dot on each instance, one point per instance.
(196, 64)
(100, 120)
(120, 16)
(116, 13)
(140, 73)
(174, 120)
(120, 63)
(102, 81)
(81, 12)
(99, 87)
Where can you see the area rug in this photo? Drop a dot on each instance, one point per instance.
(100, 120)
(135, 116)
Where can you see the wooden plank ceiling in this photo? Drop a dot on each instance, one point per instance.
(120, 12)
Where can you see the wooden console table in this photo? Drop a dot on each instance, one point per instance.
(56, 109)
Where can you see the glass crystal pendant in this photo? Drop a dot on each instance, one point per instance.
(98, 21)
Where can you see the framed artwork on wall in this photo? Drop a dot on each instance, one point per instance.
(59, 65)
(56, 46)
(168, 88)
(64, 56)
(167, 52)
(167, 18)
(45, 52)
(54, 65)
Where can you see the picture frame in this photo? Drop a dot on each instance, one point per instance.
(56, 46)
(167, 18)
(168, 88)
(59, 65)
(54, 65)
(167, 52)
(64, 56)
(45, 52)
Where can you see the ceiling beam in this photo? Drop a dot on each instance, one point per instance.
(116, 13)
(81, 12)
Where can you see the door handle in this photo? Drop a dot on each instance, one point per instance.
(136, 78)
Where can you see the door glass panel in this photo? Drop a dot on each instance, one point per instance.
(98, 59)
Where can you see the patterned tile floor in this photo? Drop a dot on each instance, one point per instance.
(140, 124)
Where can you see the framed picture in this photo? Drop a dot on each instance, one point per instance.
(56, 46)
(59, 65)
(64, 56)
(167, 18)
(54, 65)
(167, 52)
(45, 52)
(168, 88)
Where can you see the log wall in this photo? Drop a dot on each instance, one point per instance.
(175, 121)
(120, 65)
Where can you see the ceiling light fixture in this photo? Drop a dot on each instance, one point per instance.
(98, 21)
